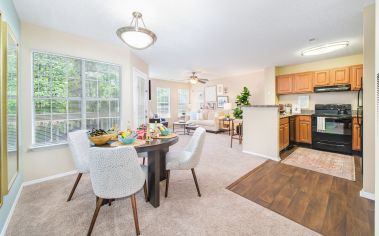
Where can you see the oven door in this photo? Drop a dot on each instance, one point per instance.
(337, 136)
(334, 125)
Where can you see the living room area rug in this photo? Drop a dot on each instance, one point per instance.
(334, 164)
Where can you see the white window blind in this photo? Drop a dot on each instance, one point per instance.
(71, 94)
(183, 101)
(12, 99)
(163, 102)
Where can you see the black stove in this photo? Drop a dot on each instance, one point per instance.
(333, 110)
(332, 128)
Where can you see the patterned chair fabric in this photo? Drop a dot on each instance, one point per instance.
(79, 145)
(115, 172)
(190, 156)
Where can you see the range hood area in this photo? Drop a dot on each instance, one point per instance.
(334, 88)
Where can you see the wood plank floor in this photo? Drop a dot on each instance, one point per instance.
(326, 204)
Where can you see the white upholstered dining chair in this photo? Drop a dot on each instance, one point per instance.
(116, 173)
(79, 145)
(187, 159)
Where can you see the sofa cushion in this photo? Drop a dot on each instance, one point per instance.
(203, 115)
(205, 122)
(211, 115)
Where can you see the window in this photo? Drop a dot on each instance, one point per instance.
(71, 94)
(183, 101)
(163, 102)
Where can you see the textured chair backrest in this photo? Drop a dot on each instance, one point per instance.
(195, 146)
(115, 172)
(79, 145)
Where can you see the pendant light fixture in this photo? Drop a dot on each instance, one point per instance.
(325, 48)
(134, 35)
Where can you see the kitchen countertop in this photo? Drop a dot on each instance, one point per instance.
(311, 112)
(303, 113)
(261, 106)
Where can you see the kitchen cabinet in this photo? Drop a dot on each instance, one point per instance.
(340, 75)
(356, 76)
(304, 129)
(356, 142)
(321, 78)
(302, 82)
(284, 133)
(284, 84)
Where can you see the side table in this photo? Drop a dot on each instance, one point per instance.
(179, 124)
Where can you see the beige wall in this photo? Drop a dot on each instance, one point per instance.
(321, 65)
(369, 99)
(254, 82)
(322, 98)
(173, 86)
(261, 132)
(377, 115)
(49, 161)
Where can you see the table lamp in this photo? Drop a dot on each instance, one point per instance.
(227, 107)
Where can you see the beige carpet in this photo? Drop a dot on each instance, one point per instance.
(42, 208)
(335, 164)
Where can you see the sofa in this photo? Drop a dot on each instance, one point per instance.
(208, 119)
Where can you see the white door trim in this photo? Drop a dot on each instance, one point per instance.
(137, 73)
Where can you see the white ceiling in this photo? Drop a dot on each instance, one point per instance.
(219, 37)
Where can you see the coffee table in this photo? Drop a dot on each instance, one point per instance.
(180, 125)
(190, 127)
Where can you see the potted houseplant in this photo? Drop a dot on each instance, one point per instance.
(241, 100)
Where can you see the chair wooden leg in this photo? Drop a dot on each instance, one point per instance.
(74, 187)
(98, 205)
(143, 161)
(145, 192)
(135, 215)
(167, 182)
(197, 185)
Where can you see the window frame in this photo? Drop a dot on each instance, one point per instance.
(186, 103)
(81, 99)
(168, 115)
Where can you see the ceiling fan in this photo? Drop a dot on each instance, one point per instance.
(194, 79)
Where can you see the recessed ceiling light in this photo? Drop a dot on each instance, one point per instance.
(325, 48)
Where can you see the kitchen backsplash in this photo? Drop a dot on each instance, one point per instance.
(350, 97)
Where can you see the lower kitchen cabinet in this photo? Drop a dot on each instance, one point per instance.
(356, 144)
(284, 133)
(304, 129)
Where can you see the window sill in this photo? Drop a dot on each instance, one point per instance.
(46, 147)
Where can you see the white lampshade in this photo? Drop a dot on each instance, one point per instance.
(137, 39)
(227, 106)
(136, 36)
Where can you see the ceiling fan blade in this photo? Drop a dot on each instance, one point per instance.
(202, 81)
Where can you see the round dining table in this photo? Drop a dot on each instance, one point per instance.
(156, 162)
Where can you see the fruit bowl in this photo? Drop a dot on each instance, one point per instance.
(165, 132)
(127, 140)
(101, 139)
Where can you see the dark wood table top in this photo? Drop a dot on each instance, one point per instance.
(154, 145)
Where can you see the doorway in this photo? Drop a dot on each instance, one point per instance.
(140, 97)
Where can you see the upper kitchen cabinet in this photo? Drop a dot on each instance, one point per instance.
(340, 75)
(356, 76)
(284, 84)
(321, 78)
(302, 82)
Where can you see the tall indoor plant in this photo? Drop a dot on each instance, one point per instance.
(241, 100)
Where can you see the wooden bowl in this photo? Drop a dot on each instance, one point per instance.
(101, 140)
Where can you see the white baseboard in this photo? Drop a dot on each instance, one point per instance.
(367, 195)
(36, 181)
(261, 155)
(4, 230)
